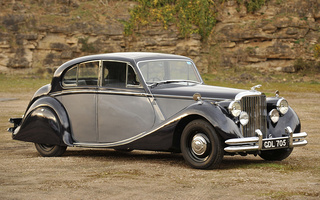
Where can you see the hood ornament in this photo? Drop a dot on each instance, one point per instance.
(254, 87)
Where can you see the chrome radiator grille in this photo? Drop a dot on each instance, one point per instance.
(256, 108)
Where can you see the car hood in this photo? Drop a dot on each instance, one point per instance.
(206, 91)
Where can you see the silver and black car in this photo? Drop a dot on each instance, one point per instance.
(153, 101)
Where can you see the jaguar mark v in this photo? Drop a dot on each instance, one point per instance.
(158, 102)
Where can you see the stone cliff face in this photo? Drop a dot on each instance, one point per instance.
(40, 34)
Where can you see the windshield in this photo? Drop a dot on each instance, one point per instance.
(169, 71)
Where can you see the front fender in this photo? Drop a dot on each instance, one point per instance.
(213, 113)
(45, 122)
(290, 119)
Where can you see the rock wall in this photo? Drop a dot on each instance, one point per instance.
(42, 34)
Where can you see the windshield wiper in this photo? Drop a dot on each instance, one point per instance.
(172, 81)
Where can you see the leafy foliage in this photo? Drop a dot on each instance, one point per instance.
(86, 46)
(252, 5)
(304, 65)
(191, 16)
(317, 50)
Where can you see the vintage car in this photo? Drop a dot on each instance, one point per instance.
(152, 101)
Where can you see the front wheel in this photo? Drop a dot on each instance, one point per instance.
(47, 150)
(201, 146)
(276, 155)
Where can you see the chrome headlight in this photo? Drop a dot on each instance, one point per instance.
(244, 118)
(274, 115)
(282, 106)
(235, 108)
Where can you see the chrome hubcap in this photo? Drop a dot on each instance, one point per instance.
(199, 144)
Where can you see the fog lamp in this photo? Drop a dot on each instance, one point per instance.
(274, 115)
(244, 118)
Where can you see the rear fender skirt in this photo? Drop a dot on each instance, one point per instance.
(45, 122)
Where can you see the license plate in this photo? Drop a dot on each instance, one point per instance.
(275, 143)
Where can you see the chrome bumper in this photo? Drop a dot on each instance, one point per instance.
(255, 143)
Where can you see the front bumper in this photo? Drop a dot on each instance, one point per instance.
(250, 144)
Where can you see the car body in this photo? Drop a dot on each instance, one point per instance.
(152, 101)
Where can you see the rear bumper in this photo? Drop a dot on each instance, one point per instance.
(16, 122)
(256, 143)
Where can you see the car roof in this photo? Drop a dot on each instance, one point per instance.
(132, 57)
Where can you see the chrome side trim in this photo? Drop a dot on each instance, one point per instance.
(186, 97)
(255, 143)
(129, 140)
(94, 91)
(157, 109)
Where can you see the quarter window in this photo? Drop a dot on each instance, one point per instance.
(83, 74)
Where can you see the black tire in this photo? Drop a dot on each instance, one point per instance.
(276, 155)
(47, 150)
(201, 146)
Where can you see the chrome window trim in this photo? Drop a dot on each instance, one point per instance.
(100, 75)
(77, 65)
(132, 86)
(95, 91)
(128, 64)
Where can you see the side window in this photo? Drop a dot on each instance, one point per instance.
(70, 78)
(132, 79)
(118, 75)
(83, 74)
(88, 73)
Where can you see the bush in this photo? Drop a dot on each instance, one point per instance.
(252, 5)
(306, 66)
(191, 16)
(86, 46)
(317, 50)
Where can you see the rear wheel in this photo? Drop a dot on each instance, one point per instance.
(276, 155)
(47, 150)
(201, 146)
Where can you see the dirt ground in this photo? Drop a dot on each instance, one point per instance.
(107, 174)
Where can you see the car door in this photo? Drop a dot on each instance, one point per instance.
(79, 98)
(124, 109)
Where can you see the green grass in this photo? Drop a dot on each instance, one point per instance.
(272, 166)
(21, 83)
(234, 78)
(289, 194)
(301, 82)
